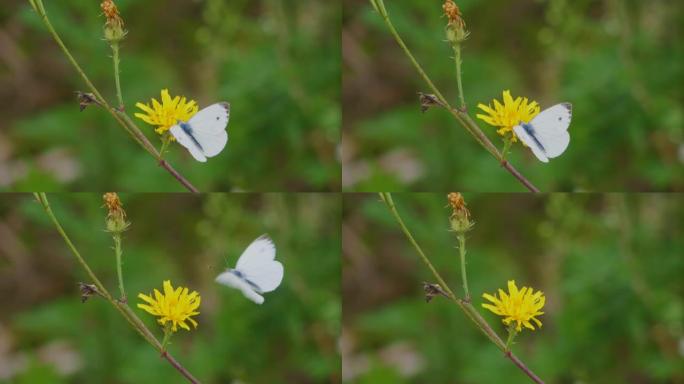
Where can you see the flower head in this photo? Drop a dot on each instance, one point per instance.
(113, 27)
(456, 28)
(116, 216)
(510, 114)
(518, 306)
(167, 113)
(460, 216)
(174, 306)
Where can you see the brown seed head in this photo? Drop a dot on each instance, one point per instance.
(453, 13)
(460, 216)
(456, 27)
(113, 27)
(116, 216)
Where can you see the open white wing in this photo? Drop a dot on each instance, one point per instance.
(212, 119)
(547, 134)
(233, 281)
(204, 135)
(258, 264)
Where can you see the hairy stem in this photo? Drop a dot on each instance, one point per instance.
(124, 309)
(462, 254)
(466, 306)
(459, 83)
(460, 115)
(117, 81)
(119, 273)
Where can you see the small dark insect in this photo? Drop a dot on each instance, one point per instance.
(427, 101)
(432, 290)
(85, 99)
(87, 290)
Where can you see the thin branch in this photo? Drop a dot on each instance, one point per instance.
(466, 306)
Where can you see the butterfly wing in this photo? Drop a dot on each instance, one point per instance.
(230, 279)
(547, 134)
(258, 264)
(212, 119)
(204, 135)
(212, 143)
(185, 140)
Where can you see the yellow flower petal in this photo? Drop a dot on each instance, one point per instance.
(519, 305)
(174, 305)
(166, 114)
(508, 114)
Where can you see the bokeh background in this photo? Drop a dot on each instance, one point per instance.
(48, 336)
(620, 63)
(611, 268)
(277, 62)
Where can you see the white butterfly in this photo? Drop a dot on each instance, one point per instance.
(547, 134)
(256, 271)
(204, 135)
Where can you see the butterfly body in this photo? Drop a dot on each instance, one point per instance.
(547, 134)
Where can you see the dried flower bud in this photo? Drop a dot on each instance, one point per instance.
(460, 216)
(113, 28)
(456, 28)
(116, 216)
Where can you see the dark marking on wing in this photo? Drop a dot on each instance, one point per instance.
(530, 131)
(246, 280)
(187, 128)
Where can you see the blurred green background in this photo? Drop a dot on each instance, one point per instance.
(611, 268)
(48, 336)
(620, 63)
(277, 62)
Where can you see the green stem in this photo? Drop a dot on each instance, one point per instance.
(117, 251)
(457, 58)
(167, 337)
(462, 254)
(512, 332)
(117, 81)
(166, 140)
(507, 145)
(461, 116)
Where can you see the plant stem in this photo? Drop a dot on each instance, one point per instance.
(117, 81)
(167, 337)
(124, 309)
(507, 145)
(117, 251)
(462, 254)
(512, 332)
(461, 116)
(467, 307)
(121, 117)
(457, 58)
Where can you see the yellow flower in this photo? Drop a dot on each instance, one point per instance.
(175, 306)
(510, 114)
(168, 113)
(520, 306)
